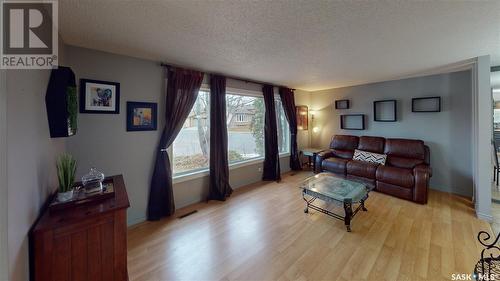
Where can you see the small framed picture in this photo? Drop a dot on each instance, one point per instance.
(99, 96)
(141, 116)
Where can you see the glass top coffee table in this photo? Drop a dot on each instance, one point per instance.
(335, 189)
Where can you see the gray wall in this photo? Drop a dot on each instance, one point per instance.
(31, 159)
(102, 140)
(3, 176)
(448, 133)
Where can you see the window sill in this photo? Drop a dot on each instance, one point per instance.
(206, 172)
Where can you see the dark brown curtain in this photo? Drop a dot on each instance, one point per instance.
(182, 90)
(288, 101)
(219, 188)
(271, 159)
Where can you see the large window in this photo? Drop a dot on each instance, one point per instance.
(191, 148)
(245, 127)
(283, 128)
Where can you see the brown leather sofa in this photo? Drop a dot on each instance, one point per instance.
(405, 174)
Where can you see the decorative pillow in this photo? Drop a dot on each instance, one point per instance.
(366, 156)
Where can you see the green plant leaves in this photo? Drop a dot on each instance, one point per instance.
(66, 169)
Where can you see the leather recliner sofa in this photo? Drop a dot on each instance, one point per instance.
(405, 174)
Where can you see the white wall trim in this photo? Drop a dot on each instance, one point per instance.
(233, 166)
(485, 217)
(3, 177)
(482, 134)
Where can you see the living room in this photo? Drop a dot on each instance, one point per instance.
(301, 140)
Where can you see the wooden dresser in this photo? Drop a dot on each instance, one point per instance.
(85, 242)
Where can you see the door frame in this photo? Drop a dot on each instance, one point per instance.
(482, 134)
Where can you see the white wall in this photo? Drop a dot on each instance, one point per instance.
(102, 140)
(447, 133)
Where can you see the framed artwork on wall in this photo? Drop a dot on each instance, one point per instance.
(342, 104)
(99, 96)
(302, 117)
(427, 104)
(385, 111)
(141, 116)
(352, 121)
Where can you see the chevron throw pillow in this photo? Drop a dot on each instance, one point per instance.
(366, 156)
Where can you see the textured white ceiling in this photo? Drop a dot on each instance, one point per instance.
(309, 45)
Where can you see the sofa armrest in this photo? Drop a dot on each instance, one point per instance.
(320, 156)
(422, 174)
(423, 168)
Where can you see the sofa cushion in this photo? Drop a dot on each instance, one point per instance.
(371, 157)
(371, 144)
(362, 169)
(344, 142)
(405, 148)
(405, 163)
(404, 153)
(334, 165)
(345, 154)
(396, 176)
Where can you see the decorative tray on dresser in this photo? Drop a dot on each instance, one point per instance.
(83, 241)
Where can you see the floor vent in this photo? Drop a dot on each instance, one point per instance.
(187, 214)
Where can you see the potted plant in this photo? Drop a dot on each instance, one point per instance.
(66, 168)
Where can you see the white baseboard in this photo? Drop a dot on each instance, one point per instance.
(485, 217)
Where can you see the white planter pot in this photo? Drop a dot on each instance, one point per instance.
(64, 196)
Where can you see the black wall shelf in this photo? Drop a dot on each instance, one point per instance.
(426, 104)
(385, 111)
(352, 121)
(342, 104)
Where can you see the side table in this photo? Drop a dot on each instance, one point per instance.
(310, 152)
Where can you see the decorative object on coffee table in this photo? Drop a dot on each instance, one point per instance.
(352, 121)
(141, 116)
(66, 169)
(426, 104)
(99, 96)
(302, 117)
(342, 104)
(337, 190)
(385, 111)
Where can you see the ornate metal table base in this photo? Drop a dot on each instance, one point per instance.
(349, 213)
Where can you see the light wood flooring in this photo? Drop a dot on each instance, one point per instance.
(262, 233)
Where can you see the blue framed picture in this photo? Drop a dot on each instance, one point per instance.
(141, 116)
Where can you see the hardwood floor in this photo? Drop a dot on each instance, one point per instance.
(262, 233)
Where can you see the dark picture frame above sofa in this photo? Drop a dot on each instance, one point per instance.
(426, 104)
(342, 104)
(385, 111)
(352, 121)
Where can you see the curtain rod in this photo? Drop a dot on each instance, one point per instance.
(230, 77)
